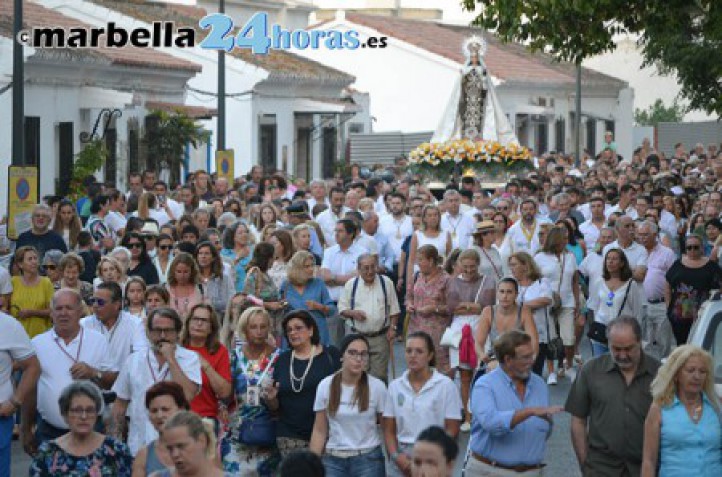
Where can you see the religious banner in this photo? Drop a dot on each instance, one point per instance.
(22, 197)
(224, 165)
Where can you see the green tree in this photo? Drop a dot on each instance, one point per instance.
(658, 113)
(677, 36)
(87, 162)
(166, 139)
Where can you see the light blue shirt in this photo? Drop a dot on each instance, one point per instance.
(493, 406)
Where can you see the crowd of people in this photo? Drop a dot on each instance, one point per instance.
(248, 328)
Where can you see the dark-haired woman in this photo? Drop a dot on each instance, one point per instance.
(348, 405)
(164, 257)
(68, 224)
(214, 276)
(200, 334)
(237, 251)
(420, 398)
(162, 400)
(296, 377)
(140, 263)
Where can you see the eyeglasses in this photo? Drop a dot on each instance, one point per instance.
(97, 301)
(135, 245)
(162, 331)
(359, 355)
(165, 247)
(198, 319)
(83, 411)
(50, 267)
(693, 247)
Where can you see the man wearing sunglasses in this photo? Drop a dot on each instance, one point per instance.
(123, 331)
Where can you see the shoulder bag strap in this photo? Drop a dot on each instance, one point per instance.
(561, 273)
(481, 287)
(624, 301)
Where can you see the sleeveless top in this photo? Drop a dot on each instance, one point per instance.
(493, 332)
(438, 242)
(687, 448)
(152, 463)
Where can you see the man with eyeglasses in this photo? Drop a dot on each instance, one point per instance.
(512, 415)
(40, 236)
(636, 254)
(164, 360)
(66, 352)
(370, 306)
(123, 331)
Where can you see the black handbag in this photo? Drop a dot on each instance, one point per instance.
(598, 331)
(555, 346)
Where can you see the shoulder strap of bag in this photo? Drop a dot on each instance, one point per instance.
(561, 273)
(624, 301)
(518, 316)
(481, 287)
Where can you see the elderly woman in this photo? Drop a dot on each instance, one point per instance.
(468, 294)
(427, 301)
(200, 334)
(183, 284)
(683, 430)
(237, 251)
(81, 451)
(51, 265)
(214, 276)
(30, 299)
(123, 256)
(162, 400)
(191, 444)
(141, 264)
(71, 267)
(303, 291)
(252, 363)
(689, 282)
(490, 264)
(296, 377)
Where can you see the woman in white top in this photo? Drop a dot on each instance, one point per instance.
(430, 234)
(559, 267)
(490, 264)
(535, 294)
(348, 405)
(618, 294)
(147, 209)
(164, 257)
(420, 398)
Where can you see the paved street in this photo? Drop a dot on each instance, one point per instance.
(560, 455)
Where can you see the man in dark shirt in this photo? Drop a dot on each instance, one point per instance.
(612, 395)
(40, 236)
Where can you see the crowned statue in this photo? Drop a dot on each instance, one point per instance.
(474, 111)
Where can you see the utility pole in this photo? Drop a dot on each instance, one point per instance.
(18, 146)
(578, 118)
(221, 91)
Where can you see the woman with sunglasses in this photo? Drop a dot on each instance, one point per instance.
(164, 257)
(140, 263)
(348, 405)
(689, 281)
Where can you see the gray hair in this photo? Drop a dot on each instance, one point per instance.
(562, 196)
(368, 215)
(67, 291)
(122, 251)
(611, 229)
(227, 219)
(650, 225)
(626, 320)
(320, 182)
(451, 193)
(367, 256)
(80, 388)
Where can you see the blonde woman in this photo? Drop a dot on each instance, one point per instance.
(192, 445)
(682, 433)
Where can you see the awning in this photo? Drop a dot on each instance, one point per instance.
(193, 112)
(325, 105)
(92, 97)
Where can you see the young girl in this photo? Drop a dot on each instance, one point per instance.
(135, 297)
(348, 405)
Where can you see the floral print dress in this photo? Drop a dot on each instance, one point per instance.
(111, 459)
(238, 458)
(432, 292)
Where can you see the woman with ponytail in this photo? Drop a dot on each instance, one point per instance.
(348, 405)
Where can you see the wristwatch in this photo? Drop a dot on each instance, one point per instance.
(99, 375)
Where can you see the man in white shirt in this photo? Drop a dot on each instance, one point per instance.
(523, 236)
(66, 352)
(584, 209)
(460, 226)
(339, 265)
(165, 360)
(115, 220)
(328, 218)
(6, 289)
(627, 197)
(15, 350)
(318, 194)
(636, 253)
(592, 227)
(370, 306)
(667, 221)
(160, 189)
(396, 226)
(375, 242)
(123, 331)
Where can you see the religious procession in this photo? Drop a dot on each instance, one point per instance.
(309, 304)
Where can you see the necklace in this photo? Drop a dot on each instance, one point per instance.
(80, 347)
(302, 379)
(398, 224)
(528, 233)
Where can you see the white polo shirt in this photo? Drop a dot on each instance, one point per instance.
(592, 267)
(327, 221)
(14, 346)
(396, 232)
(370, 299)
(139, 373)
(460, 227)
(591, 233)
(56, 358)
(437, 401)
(115, 221)
(341, 262)
(516, 240)
(636, 254)
(126, 336)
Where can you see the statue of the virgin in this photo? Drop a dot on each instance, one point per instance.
(473, 111)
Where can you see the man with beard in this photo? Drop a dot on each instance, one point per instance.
(523, 236)
(609, 401)
(166, 360)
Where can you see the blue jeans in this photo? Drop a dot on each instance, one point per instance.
(599, 349)
(6, 440)
(370, 464)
